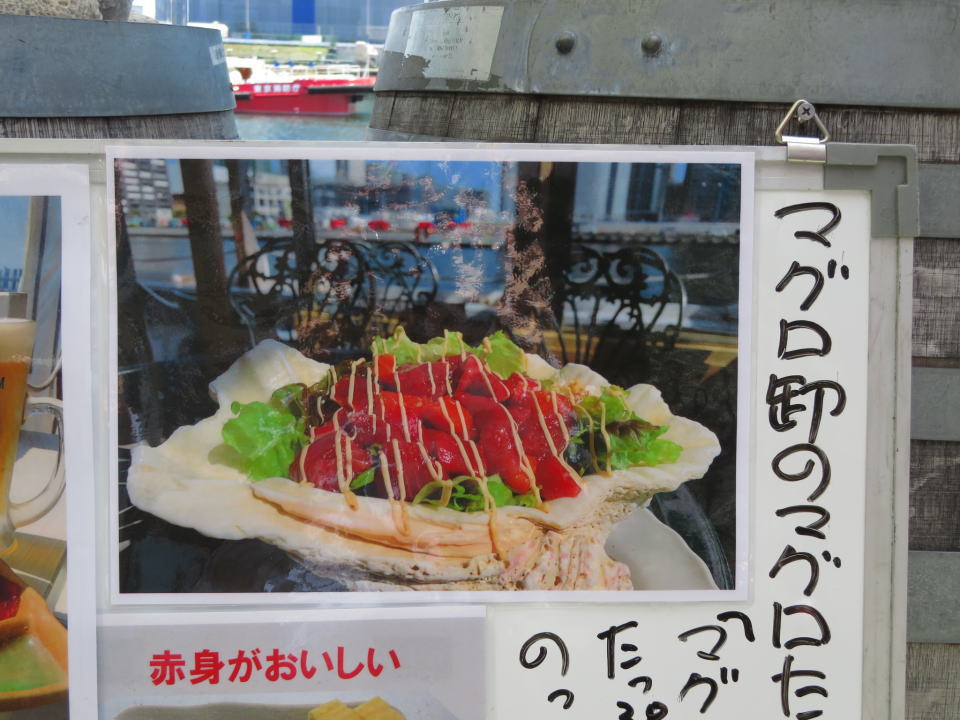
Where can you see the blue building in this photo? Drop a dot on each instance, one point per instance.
(342, 20)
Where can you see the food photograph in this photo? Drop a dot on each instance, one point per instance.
(33, 523)
(376, 708)
(343, 375)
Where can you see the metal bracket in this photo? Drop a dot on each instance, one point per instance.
(801, 148)
(890, 173)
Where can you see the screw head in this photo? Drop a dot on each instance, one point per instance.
(565, 42)
(651, 44)
(805, 112)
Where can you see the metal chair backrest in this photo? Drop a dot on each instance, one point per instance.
(354, 291)
(615, 307)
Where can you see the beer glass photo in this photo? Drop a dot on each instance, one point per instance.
(16, 348)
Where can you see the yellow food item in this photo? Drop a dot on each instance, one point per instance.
(377, 709)
(374, 709)
(333, 710)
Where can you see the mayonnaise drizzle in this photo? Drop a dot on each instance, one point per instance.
(446, 376)
(342, 480)
(524, 462)
(401, 480)
(490, 507)
(465, 456)
(556, 411)
(446, 416)
(397, 511)
(353, 381)
(403, 410)
(553, 448)
(369, 377)
(476, 455)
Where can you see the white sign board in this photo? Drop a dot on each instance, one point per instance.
(593, 444)
(795, 647)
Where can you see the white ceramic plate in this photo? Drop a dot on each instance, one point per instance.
(657, 556)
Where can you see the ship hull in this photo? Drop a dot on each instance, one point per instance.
(330, 98)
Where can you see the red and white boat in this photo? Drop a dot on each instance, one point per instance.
(323, 89)
(303, 96)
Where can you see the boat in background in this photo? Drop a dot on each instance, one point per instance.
(322, 89)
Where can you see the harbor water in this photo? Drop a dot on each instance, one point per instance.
(302, 127)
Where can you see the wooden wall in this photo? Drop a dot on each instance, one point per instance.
(933, 668)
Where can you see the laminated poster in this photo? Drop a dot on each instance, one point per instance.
(45, 220)
(465, 432)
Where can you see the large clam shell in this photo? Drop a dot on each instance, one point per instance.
(189, 481)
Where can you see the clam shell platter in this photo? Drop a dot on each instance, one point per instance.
(600, 531)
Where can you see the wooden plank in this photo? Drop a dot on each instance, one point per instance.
(935, 495)
(585, 118)
(933, 681)
(382, 110)
(933, 613)
(431, 115)
(605, 120)
(935, 404)
(214, 126)
(936, 293)
(495, 118)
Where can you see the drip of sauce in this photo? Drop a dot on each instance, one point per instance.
(524, 462)
(466, 457)
(446, 376)
(376, 370)
(481, 470)
(403, 410)
(396, 511)
(490, 507)
(369, 378)
(302, 458)
(556, 411)
(553, 448)
(353, 381)
(342, 480)
(401, 480)
(446, 416)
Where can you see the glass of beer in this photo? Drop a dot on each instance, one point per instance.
(16, 350)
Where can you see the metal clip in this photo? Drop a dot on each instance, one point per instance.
(800, 148)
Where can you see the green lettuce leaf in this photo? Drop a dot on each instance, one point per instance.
(266, 439)
(466, 495)
(614, 400)
(398, 345)
(641, 446)
(290, 398)
(451, 343)
(502, 355)
(363, 479)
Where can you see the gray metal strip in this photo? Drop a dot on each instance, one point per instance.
(933, 609)
(846, 53)
(935, 404)
(90, 68)
(940, 201)
(890, 173)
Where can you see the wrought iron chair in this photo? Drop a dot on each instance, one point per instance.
(354, 291)
(616, 308)
(407, 282)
